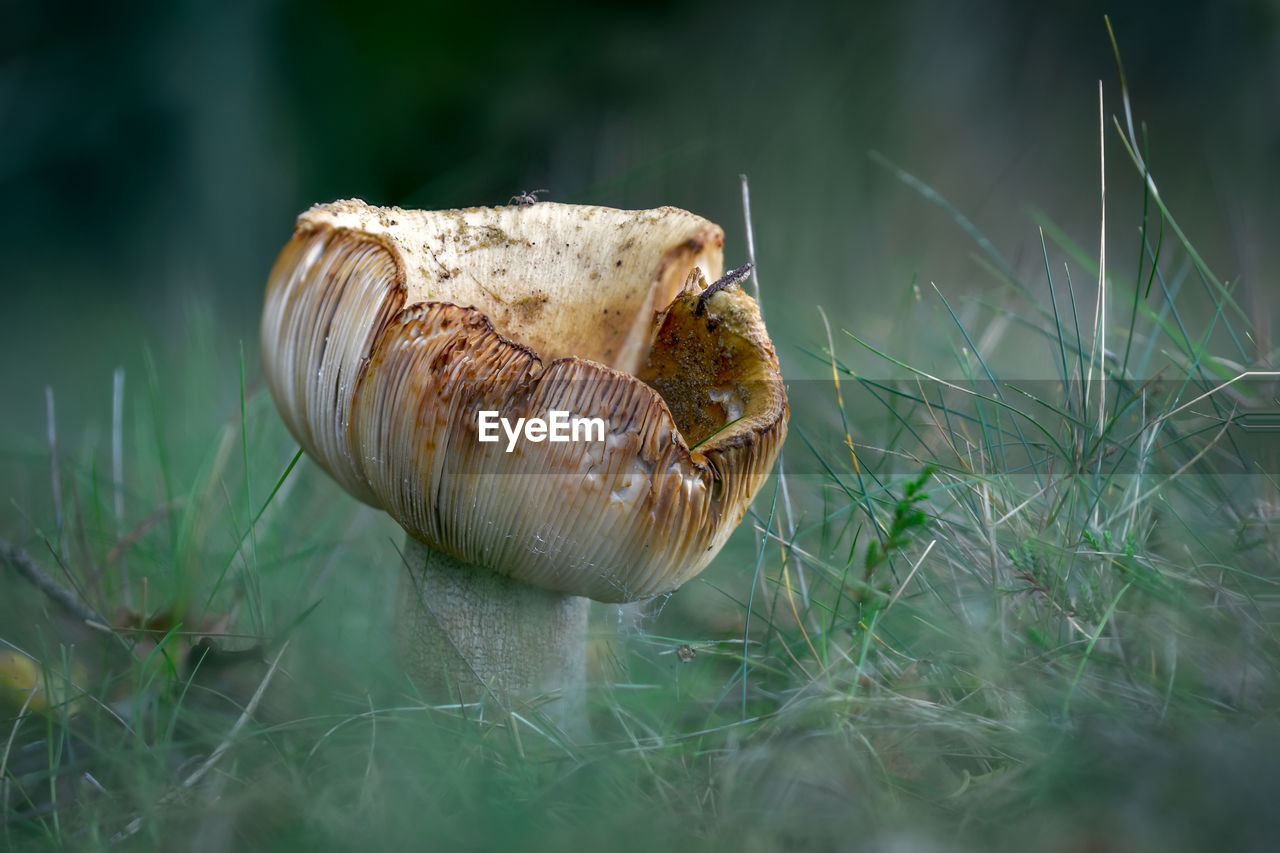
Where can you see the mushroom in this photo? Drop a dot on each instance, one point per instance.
(394, 341)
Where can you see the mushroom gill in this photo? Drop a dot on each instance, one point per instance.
(388, 331)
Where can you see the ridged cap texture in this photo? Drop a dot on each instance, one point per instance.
(386, 332)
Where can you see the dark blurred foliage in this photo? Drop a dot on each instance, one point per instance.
(152, 155)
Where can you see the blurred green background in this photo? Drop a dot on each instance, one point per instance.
(153, 155)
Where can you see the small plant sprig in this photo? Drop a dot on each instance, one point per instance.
(907, 516)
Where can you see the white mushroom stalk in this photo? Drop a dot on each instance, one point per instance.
(390, 336)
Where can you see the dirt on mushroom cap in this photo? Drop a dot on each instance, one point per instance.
(562, 279)
(632, 516)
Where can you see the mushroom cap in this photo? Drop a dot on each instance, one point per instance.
(386, 332)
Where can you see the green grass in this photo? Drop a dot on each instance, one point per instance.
(985, 611)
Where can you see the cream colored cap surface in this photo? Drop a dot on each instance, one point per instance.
(387, 331)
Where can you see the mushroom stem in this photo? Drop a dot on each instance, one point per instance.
(469, 633)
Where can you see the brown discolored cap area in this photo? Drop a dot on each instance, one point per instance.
(386, 332)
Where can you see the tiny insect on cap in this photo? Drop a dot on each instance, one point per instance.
(386, 332)
(527, 197)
